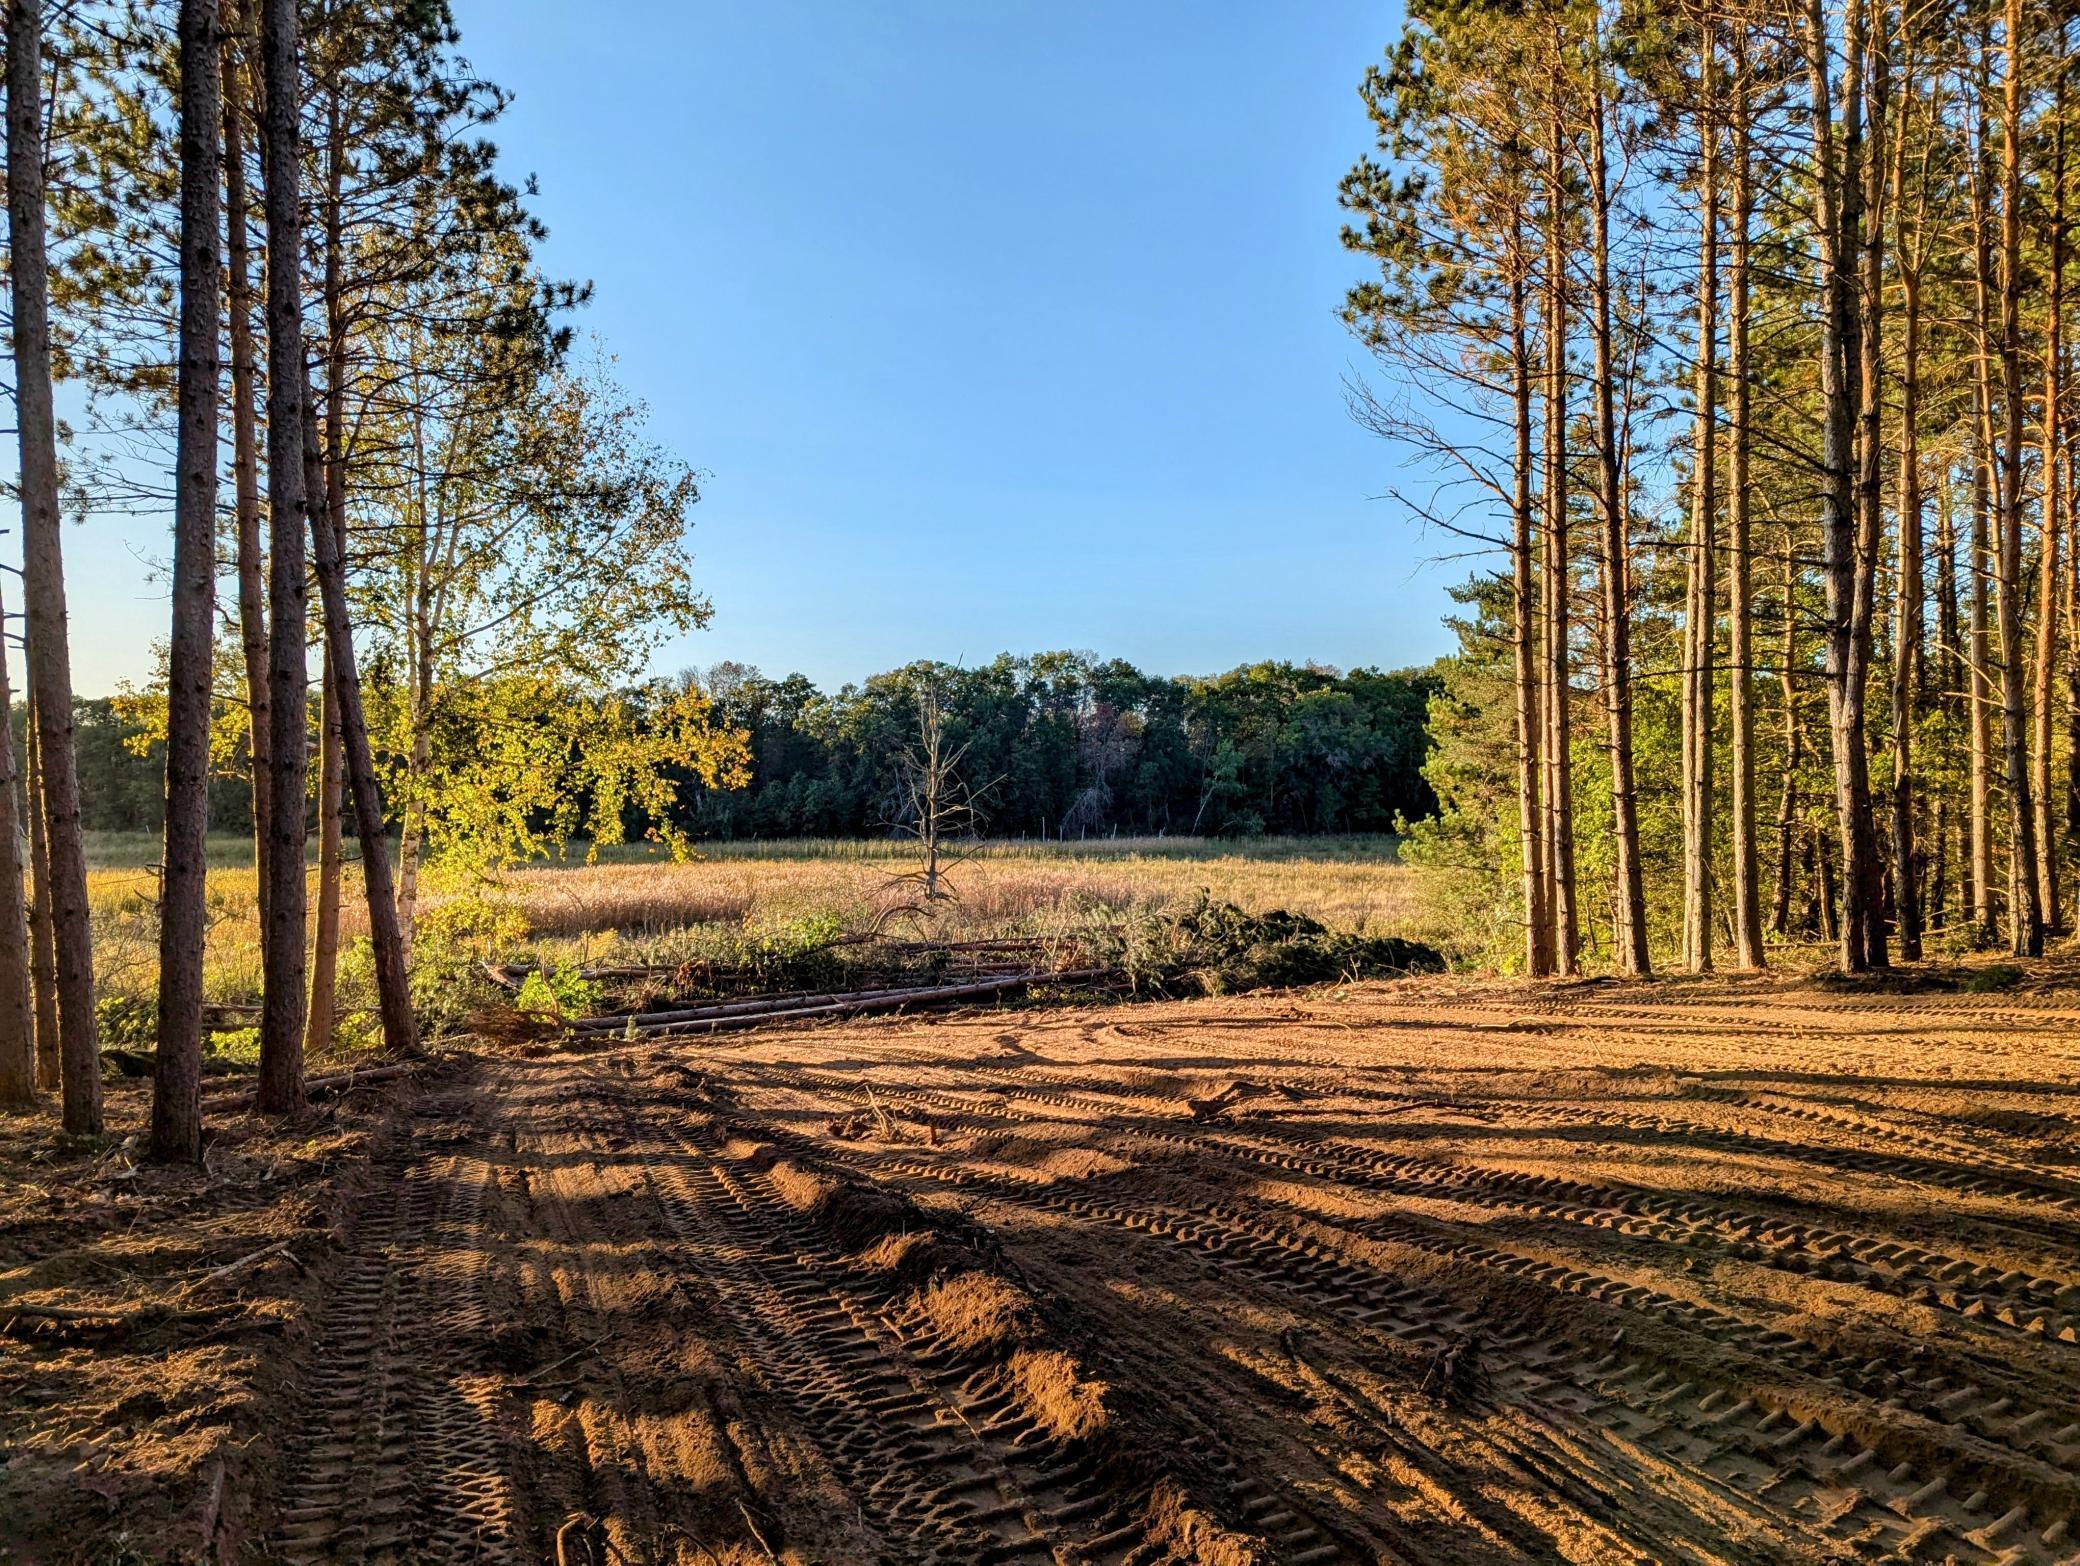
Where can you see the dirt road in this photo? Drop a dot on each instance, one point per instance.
(1699, 1272)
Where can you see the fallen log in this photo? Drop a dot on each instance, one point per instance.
(885, 1000)
(792, 1001)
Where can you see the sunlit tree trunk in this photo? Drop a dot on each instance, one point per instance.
(43, 947)
(288, 673)
(183, 906)
(245, 458)
(322, 1016)
(1630, 891)
(1700, 618)
(1538, 930)
(17, 1021)
(1558, 687)
(1794, 743)
(43, 571)
(1747, 873)
(2025, 911)
(2055, 524)
(1849, 572)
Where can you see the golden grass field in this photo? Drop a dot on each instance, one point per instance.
(639, 906)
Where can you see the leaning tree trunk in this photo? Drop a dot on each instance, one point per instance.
(17, 1022)
(288, 675)
(393, 990)
(43, 570)
(2026, 912)
(183, 906)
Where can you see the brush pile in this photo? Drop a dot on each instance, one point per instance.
(598, 1005)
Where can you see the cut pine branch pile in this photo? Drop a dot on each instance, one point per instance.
(756, 1011)
(979, 958)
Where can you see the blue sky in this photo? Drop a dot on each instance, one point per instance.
(995, 325)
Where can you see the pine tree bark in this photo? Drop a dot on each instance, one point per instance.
(245, 460)
(288, 674)
(1794, 743)
(1524, 631)
(1700, 620)
(322, 1018)
(43, 570)
(18, 1073)
(2055, 527)
(2025, 911)
(1849, 573)
(43, 949)
(1558, 686)
(1747, 872)
(176, 1134)
(1631, 897)
(1907, 628)
(1870, 406)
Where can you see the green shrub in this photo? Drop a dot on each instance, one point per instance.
(559, 992)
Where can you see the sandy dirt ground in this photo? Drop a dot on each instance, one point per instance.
(1701, 1271)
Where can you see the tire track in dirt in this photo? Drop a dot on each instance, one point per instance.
(953, 1471)
(396, 1455)
(1770, 1443)
(1994, 1298)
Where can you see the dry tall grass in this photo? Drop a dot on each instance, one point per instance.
(633, 907)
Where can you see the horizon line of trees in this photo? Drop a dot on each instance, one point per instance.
(1740, 330)
(1057, 744)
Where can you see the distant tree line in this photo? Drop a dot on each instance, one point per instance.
(1057, 745)
(1061, 745)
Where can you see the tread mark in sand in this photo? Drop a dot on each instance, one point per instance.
(1756, 1448)
(954, 1479)
(396, 1461)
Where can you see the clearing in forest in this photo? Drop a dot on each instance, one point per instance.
(1713, 1270)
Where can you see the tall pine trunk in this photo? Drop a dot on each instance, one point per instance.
(2055, 522)
(17, 1019)
(1794, 742)
(1870, 404)
(183, 907)
(1538, 931)
(1848, 575)
(1747, 872)
(288, 672)
(1559, 801)
(245, 460)
(43, 947)
(322, 1017)
(1700, 620)
(43, 571)
(1907, 628)
(2025, 911)
(1630, 891)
